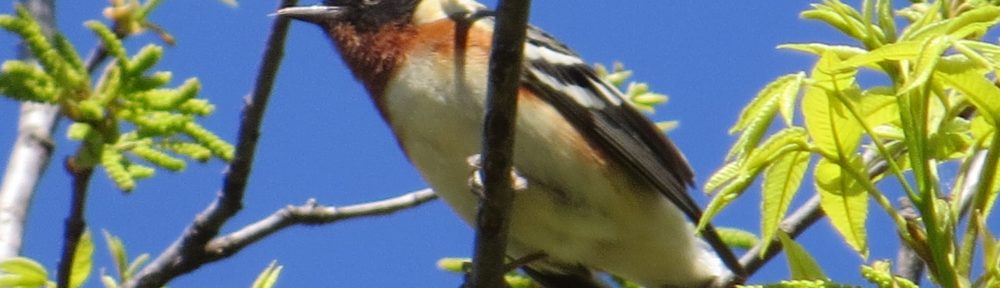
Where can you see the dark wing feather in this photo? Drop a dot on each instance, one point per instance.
(601, 113)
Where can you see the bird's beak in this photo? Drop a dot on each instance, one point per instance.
(313, 14)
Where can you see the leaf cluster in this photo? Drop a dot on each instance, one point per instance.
(938, 102)
(127, 114)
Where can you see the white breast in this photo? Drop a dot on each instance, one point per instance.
(574, 209)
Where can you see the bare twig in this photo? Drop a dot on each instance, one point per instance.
(75, 222)
(30, 153)
(493, 221)
(188, 252)
(310, 213)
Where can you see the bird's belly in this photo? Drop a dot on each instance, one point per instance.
(576, 208)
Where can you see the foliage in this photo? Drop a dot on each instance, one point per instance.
(127, 115)
(636, 93)
(268, 277)
(123, 267)
(935, 103)
(23, 272)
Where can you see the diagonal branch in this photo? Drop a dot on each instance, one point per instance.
(188, 252)
(310, 213)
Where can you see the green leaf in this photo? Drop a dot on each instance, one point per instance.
(268, 277)
(780, 143)
(457, 265)
(886, 19)
(757, 116)
(880, 274)
(879, 109)
(929, 56)
(786, 101)
(109, 282)
(801, 265)
(830, 125)
(82, 260)
(726, 195)
(722, 176)
(20, 271)
(974, 85)
(890, 52)
(974, 22)
(118, 252)
(929, 24)
(137, 263)
(781, 181)
(737, 238)
(845, 202)
(840, 16)
(842, 51)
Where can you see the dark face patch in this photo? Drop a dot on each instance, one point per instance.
(370, 14)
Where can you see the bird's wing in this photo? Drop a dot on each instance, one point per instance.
(599, 110)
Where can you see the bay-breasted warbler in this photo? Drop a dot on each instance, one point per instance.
(606, 190)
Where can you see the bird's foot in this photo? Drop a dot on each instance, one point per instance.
(476, 178)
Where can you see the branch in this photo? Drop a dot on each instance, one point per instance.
(493, 221)
(29, 155)
(794, 225)
(75, 222)
(188, 252)
(310, 213)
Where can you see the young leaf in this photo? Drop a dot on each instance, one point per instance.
(842, 51)
(787, 99)
(928, 58)
(801, 265)
(886, 20)
(890, 52)
(879, 109)
(22, 272)
(118, 253)
(828, 120)
(781, 180)
(268, 277)
(845, 202)
(974, 85)
(737, 238)
(974, 22)
(780, 143)
(722, 176)
(82, 260)
(757, 116)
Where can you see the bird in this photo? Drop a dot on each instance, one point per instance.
(605, 191)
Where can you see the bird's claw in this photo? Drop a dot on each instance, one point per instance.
(476, 178)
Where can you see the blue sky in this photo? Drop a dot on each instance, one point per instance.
(323, 139)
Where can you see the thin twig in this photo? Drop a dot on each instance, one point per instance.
(188, 252)
(493, 221)
(75, 222)
(30, 154)
(310, 213)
